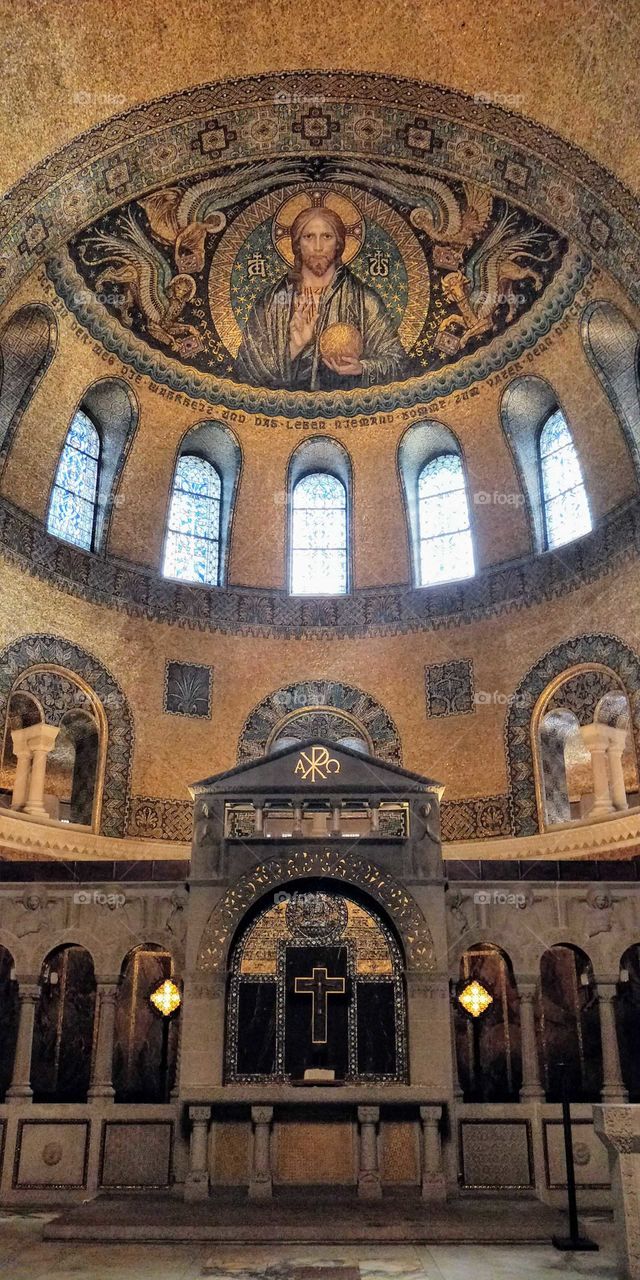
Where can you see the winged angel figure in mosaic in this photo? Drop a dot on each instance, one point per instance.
(145, 279)
(480, 281)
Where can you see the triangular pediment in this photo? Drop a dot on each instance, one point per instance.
(316, 767)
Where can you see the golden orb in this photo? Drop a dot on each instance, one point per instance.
(341, 342)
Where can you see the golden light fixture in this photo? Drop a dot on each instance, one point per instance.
(475, 999)
(166, 998)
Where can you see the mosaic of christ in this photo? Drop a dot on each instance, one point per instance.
(272, 279)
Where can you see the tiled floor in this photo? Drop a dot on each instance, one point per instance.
(24, 1256)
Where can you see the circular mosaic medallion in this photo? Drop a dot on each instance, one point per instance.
(317, 916)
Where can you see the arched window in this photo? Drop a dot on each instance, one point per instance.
(446, 550)
(72, 510)
(192, 548)
(566, 510)
(319, 549)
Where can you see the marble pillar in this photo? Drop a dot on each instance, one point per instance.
(617, 743)
(22, 752)
(41, 739)
(102, 1075)
(531, 1090)
(369, 1185)
(432, 1179)
(613, 1089)
(261, 1183)
(596, 739)
(20, 1088)
(196, 1185)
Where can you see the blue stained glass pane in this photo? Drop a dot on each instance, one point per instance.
(446, 548)
(73, 500)
(320, 490)
(446, 559)
(192, 548)
(441, 476)
(565, 499)
(319, 536)
(196, 475)
(319, 573)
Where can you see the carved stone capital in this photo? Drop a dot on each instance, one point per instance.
(262, 1115)
(368, 1115)
(199, 1114)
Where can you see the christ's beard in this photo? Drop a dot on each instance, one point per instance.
(319, 264)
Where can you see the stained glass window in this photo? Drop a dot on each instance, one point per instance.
(446, 549)
(566, 510)
(192, 549)
(73, 501)
(319, 536)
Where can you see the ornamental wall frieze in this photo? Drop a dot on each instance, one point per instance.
(262, 612)
(322, 862)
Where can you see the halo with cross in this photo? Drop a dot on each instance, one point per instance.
(318, 198)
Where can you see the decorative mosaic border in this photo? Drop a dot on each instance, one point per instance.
(394, 610)
(31, 650)
(370, 116)
(131, 350)
(479, 818)
(366, 710)
(609, 651)
(155, 818)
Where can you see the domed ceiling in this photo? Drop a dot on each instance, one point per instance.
(466, 232)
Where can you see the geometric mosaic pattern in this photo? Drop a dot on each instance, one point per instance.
(31, 650)
(582, 693)
(366, 711)
(152, 818)
(608, 651)
(385, 610)
(187, 689)
(479, 818)
(449, 688)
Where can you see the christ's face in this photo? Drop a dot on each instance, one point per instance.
(318, 245)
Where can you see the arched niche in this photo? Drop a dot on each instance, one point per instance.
(64, 1026)
(138, 1068)
(568, 1025)
(283, 1020)
(341, 709)
(9, 1008)
(488, 1047)
(27, 345)
(612, 346)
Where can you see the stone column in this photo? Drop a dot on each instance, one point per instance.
(374, 817)
(20, 1088)
(432, 1181)
(41, 739)
(260, 1184)
(258, 809)
(619, 1129)
(22, 752)
(297, 830)
(596, 739)
(369, 1187)
(613, 1089)
(196, 1185)
(335, 830)
(531, 1090)
(102, 1075)
(458, 1093)
(617, 744)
